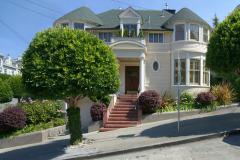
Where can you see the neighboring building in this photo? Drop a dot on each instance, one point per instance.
(10, 66)
(147, 44)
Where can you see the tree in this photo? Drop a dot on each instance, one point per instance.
(215, 21)
(224, 46)
(15, 82)
(6, 93)
(64, 63)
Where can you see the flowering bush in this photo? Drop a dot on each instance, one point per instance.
(11, 119)
(205, 98)
(149, 101)
(97, 111)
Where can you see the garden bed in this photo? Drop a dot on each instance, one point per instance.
(154, 117)
(34, 137)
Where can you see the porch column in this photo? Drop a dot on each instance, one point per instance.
(142, 73)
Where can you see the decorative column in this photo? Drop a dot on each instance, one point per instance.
(142, 73)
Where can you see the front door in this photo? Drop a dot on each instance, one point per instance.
(131, 79)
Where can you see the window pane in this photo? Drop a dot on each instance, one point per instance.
(205, 35)
(179, 32)
(78, 25)
(160, 37)
(183, 71)
(105, 36)
(194, 32)
(155, 38)
(130, 30)
(150, 37)
(194, 73)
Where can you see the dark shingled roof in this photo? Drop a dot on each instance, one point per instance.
(186, 14)
(157, 18)
(82, 14)
(151, 19)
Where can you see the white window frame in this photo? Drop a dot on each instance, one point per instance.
(190, 32)
(181, 59)
(204, 28)
(158, 65)
(158, 38)
(194, 70)
(205, 70)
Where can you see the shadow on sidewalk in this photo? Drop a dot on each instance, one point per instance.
(39, 152)
(232, 140)
(198, 126)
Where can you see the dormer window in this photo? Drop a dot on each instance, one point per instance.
(64, 24)
(79, 26)
(194, 32)
(179, 32)
(130, 30)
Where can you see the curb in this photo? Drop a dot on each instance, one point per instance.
(154, 146)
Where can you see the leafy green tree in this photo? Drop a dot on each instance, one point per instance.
(15, 82)
(6, 93)
(224, 46)
(64, 63)
(223, 53)
(215, 21)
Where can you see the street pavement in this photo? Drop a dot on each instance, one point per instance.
(227, 148)
(123, 139)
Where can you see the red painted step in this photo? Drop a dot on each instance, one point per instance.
(124, 109)
(122, 122)
(122, 119)
(124, 112)
(107, 129)
(123, 115)
(118, 125)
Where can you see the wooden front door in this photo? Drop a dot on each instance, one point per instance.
(131, 78)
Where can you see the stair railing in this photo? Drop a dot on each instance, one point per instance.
(107, 111)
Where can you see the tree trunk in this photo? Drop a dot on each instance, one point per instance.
(74, 121)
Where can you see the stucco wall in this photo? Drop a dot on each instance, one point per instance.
(85, 105)
(158, 80)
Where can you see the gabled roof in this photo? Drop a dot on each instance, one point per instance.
(186, 14)
(82, 14)
(151, 19)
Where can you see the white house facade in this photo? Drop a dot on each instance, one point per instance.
(10, 66)
(151, 46)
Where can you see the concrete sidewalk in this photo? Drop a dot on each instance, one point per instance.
(163, 132)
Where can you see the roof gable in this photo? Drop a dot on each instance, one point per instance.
(186, 15)
(129, 13)
(81, 14)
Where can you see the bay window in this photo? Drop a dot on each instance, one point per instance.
(194, 32)
(130, 30)
(182, 71)
(179, 32)
(194, 73)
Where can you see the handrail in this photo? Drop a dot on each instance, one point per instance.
(107, 111)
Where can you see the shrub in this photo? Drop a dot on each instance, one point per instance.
(224, 93)
(4, 76)
(102, 99)
(205, 98)
(15, 82)
(149, 101)
(11, 119)
(38, 112)
(186, 98)
(6, 93)
(97, 111)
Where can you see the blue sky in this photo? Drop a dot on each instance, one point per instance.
(20, 20)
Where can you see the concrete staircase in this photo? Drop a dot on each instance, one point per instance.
(123, 114)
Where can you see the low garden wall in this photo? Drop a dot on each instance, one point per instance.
(34, 137)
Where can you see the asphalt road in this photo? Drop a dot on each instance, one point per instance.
(227, 148)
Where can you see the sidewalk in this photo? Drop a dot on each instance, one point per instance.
(123, 139)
